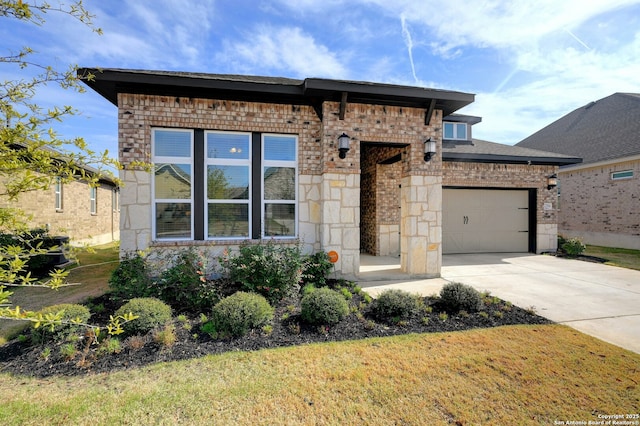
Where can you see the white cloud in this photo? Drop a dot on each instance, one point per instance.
(288, 51)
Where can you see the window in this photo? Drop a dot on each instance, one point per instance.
(212, 185)
(115, 199)
(626, 174)
(58, 194)
(172, 153)
(93, 195)
(279, 178)
(455, 131)
(228, 189)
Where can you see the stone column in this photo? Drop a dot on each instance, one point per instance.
(421, 225)
(135, 211)
(340, 228)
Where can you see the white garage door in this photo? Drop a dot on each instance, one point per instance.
(485, 221)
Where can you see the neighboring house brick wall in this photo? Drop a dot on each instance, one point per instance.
(598, 209)
(75, 219)
(515, 176)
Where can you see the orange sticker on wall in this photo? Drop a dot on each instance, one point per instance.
(333, 256)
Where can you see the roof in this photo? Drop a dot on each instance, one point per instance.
(108, 82)
(606, 129)
(480, 151)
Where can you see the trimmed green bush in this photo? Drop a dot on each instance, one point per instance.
(131, 278)
(237, 314)
(324, 306)
(573, 246)
(274, 271)
(151, 312)
(316, 269)
(395, 305)
(184, 285)
(71, 312)
(457, 296)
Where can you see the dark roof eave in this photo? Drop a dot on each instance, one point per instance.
(110, 82)
(509, 159)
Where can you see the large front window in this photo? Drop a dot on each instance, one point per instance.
(224, 185)
(172, 184)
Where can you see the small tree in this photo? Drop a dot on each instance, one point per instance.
(32, 155)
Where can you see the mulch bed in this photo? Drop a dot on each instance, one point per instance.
(24, 358)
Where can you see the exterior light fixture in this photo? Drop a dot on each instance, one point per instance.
(429, 149)
(552, 181)
(343, 144)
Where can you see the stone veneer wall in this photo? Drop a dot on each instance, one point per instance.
(329, 187)
(598, 209)
(516, 176)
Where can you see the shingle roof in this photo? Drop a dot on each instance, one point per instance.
(602, 130)
(485, 151)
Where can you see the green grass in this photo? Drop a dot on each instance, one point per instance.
(92, 272)
(506, 375)
(624, 258)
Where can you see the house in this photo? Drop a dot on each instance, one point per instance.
(331, 165)
(84, 213)
(599, 199)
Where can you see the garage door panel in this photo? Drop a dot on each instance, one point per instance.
(476, 221)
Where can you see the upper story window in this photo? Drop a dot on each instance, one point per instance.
(625, 174)
(455, 131)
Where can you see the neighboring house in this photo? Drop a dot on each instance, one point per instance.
(599, 199)
(85, 214)
(331, 165)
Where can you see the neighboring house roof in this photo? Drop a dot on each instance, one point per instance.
(480, 151)
(310, 91)
(606, 129)
(59, 156)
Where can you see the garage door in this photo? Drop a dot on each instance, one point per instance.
(485, 221)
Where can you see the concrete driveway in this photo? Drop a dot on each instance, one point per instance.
(599, 300)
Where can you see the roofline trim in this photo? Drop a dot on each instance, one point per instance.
(508, 159)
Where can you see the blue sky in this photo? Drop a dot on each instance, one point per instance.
(528, 62)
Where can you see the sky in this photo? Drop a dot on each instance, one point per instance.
(529, 62)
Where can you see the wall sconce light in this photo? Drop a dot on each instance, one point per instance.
(343, 145)
(429, 149)
(552, 181)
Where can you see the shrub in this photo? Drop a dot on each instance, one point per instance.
(324, 307)
(131, 278)
(70, 312)
(457, 296)
(395, 305)
(572, 247)
(151, 313)
(184, 285)
(268, 269)
(237, 314)
(316, 269)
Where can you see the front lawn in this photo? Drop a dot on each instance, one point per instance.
(624, 258)
(508, 375)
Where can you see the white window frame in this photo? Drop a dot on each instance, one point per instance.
(455, 130)
(115, 199)
(58, 194)
(93, 199)
(226, 162)
(279, 163)
(171, 160)
(620, 172)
